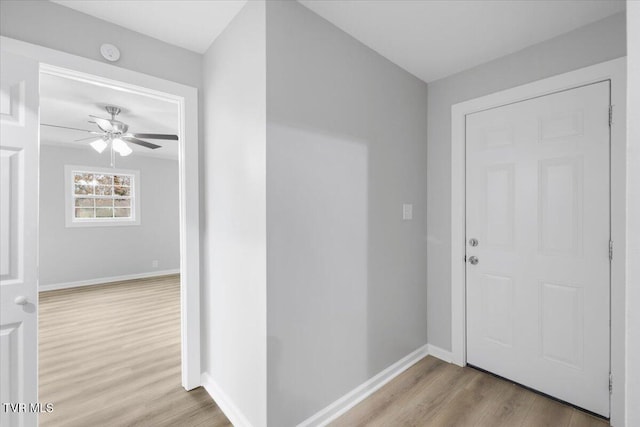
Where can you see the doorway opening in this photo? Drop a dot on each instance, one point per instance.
(109, 248)
(22, 64)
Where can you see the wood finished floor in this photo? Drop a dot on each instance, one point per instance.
(438, 394)
(110, 356)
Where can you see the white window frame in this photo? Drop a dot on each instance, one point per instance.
(72, 221)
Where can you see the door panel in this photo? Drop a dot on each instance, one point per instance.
(499, 188)
(560, 206)
(18, 239)
(538, 203)
(498, 308)
(561, 323)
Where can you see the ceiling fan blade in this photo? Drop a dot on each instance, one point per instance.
(140, 142)
(103, 124)
(65, 127)
(86, 139)
(155, 136)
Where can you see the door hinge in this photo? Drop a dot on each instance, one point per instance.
(610, 115)
(610, 250)
(610, 383)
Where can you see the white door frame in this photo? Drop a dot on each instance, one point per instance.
(615, 71)
(186, 98)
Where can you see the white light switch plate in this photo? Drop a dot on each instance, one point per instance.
(407, 211)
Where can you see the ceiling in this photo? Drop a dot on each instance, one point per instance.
(436, 38)
(192, 25)
(67, 102)
(429, 38)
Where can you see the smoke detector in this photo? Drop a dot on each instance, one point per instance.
(110, 52)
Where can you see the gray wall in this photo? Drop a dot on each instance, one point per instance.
(346, 147)
(84, 253)
(61, 28)
(594, 43)
(234, 230)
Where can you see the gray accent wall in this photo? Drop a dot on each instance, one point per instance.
(234, 348)
(346, 147)
(598, 42)
(72, 254)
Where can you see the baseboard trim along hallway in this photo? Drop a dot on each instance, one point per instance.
(340, 406)
(364, 390)
(106, 280)
(224, 402)
(440, 353)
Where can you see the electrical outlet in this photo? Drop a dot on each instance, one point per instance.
(154, 263)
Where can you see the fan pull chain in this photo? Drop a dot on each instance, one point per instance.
(113, 156)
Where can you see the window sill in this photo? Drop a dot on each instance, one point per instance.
(123, 223)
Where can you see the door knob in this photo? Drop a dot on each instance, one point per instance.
(473, 242)
(473, 260)
(21, 300)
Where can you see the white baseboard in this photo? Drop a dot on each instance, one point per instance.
(226, 405)
(364, 390)
(103, 280)
(439, 353)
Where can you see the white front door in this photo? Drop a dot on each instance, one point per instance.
(537, 203)
(18, 241)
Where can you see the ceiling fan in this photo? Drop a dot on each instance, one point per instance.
(114, 132)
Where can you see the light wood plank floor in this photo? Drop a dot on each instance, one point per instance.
(435, 393)
(110, 356)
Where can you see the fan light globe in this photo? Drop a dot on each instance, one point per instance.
(99, 145)
(121, 147)
(126, 151)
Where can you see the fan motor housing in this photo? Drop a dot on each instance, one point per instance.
(114, 111)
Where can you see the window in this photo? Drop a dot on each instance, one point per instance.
(97, 196)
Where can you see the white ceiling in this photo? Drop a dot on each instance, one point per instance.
(436, 38)
(189, 24)
(66, 102)
(429, 38)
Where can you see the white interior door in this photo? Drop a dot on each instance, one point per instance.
(537, 202)
(18, 240)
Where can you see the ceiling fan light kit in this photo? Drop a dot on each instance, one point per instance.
(99, 145)
(114, 133)
(121, 147)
